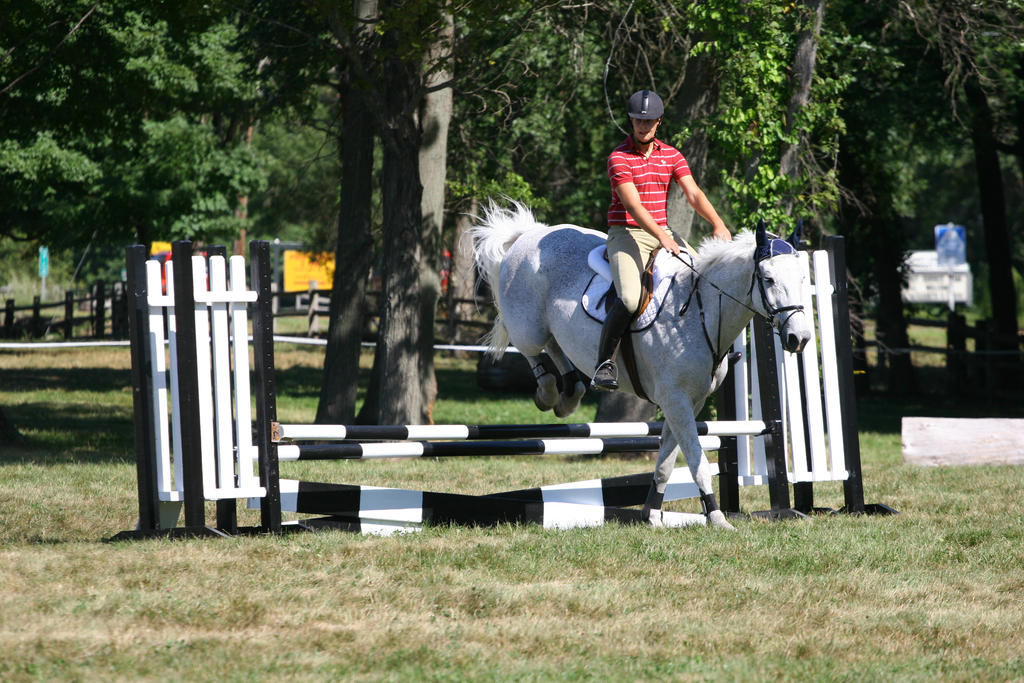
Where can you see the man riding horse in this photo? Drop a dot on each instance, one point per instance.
(640, 170)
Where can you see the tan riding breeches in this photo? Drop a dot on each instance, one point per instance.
(628, 251)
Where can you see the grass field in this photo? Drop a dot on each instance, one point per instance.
(936, 593)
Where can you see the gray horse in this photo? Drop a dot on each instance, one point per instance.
(538, 274)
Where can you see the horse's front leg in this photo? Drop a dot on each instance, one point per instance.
(684, 427)
(651, 512)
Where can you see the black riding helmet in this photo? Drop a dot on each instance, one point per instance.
(645, 105)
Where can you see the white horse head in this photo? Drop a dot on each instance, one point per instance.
(780, 281)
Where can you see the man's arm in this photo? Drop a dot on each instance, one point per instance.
(630, 198)
(700, 203)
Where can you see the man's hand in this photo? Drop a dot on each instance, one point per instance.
(722, 233)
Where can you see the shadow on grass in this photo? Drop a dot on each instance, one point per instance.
(68, 379)
(303, 381)
(461, 385)
(69, 433)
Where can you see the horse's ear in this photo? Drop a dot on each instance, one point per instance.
(759, 234)
(794, 239)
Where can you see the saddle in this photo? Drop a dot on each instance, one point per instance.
(655, 282)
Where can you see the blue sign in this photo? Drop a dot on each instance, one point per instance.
(951, 244)
(44, 261)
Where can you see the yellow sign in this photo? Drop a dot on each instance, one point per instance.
(301, 269)
(157, 247)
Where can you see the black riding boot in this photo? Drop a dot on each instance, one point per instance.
(615, 325)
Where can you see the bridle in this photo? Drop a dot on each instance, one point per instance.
(773, 312)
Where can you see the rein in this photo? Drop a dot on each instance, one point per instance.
(773, 312)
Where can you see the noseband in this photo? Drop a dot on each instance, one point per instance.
(772, 311)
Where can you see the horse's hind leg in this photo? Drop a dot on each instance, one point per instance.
(546, 396)
(571, 386)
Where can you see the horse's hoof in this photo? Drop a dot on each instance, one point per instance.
(546, 395)
(652, 517)
(717, 519)
(567, 404)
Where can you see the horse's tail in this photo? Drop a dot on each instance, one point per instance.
(492, 237)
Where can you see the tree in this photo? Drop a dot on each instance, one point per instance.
(889, 99)
(354, 251)
(980, 47)
(122, 117)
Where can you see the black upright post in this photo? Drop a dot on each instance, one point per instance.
(9, 319)
(37, 317)
(266, 389)
(728, 459)
(803, 491)
(188, 386)
(142, 388)
(771, 412)
(853, 487)
(69, 309)
(99, 323)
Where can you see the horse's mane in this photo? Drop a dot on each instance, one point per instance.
(713, 252)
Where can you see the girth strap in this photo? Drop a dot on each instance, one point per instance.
(629, 361)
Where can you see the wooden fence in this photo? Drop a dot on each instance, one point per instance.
(457, 321)
(101, 313)
(992, 367)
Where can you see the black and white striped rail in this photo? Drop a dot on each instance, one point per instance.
(314, 432)
(447, 449)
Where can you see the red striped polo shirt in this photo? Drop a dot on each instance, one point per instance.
(652, 177)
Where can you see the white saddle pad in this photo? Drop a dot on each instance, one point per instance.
(593, 299)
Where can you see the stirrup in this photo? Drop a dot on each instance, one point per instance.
(605, 377)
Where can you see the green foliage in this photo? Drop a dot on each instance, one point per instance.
(300, 160)
(549, 122)
(532, 125)
(133, 125)
(754, 44)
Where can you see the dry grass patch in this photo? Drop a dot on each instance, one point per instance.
(932, 594)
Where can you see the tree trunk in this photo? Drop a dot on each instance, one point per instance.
(803, 74)
(397, 366)
(353, 258)
(399, 394)
(462, 280)
(698, 99)
(891, 330)
(993, 211)
(877, 253)
(434, 117)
